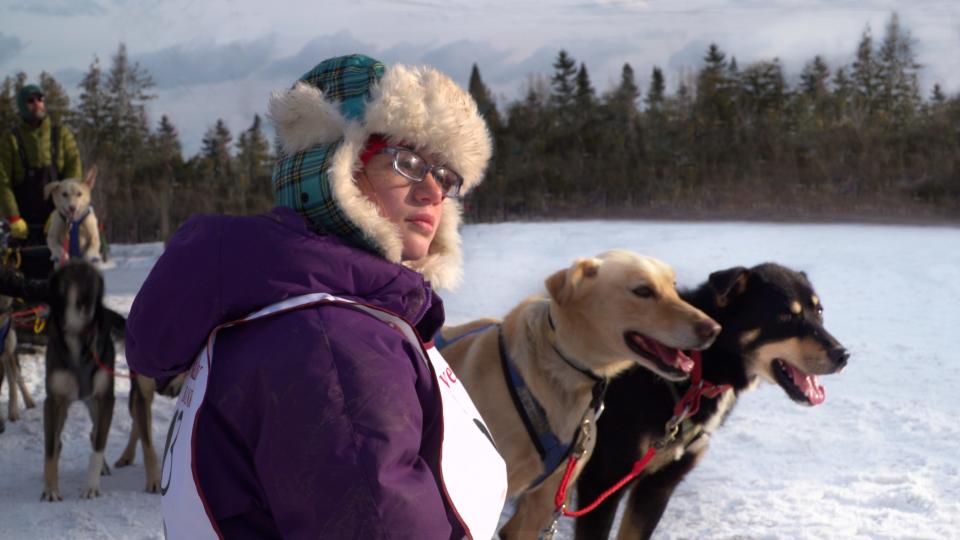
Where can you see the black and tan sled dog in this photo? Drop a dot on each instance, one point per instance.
(79, 366)
(772, 330)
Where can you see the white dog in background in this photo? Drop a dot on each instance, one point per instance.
(73, 217)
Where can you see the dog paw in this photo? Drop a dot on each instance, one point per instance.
(51, 495)
(92, 492)
(14, 416)
(105, 470)
(29, 402)
(153, 486)
(123, 461)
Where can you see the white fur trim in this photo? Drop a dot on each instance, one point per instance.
(304, 118)
(357, 207)
(426, 108)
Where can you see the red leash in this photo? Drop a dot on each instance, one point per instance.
(110, 370)
(688, 406)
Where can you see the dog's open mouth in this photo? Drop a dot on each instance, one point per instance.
(799, 386)
(669, 360)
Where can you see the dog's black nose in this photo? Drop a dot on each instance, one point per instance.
(707, 330)
(839, 356)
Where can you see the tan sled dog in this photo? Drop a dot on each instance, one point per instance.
(71, 198)
(602, 316)
(140, 405)
(10, 363)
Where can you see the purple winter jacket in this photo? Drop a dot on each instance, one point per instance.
(318, 423)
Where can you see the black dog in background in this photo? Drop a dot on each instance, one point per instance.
(79, 365)
(772, 330)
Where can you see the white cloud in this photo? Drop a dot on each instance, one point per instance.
(10, 46)
(59, 8)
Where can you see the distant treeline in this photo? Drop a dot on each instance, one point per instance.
(856, 141)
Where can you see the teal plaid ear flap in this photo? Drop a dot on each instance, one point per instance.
(301, 180)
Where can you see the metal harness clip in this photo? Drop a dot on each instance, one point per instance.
(551, 531)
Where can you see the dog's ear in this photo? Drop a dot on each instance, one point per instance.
(91, 177)
(729, 283)
(563, 285)
(50, 188)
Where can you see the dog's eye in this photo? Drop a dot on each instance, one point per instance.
(644, 292)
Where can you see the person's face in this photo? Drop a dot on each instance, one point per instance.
(414, 207)
(36, 107)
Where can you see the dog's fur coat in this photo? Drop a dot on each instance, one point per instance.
(10, 364)
(71, 198)
(609, 313)
(772, 330)
(79, 364)
(140, 406)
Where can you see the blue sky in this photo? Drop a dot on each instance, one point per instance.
(220, 58)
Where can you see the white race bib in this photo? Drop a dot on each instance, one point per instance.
(473, 475)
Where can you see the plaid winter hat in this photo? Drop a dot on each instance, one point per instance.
(324, 123)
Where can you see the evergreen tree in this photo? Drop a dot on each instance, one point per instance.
(562, 98)
(624, 97)
(714, 107)
(167, 151)
(216, 150)
(585, 96)
(8, 106)
(56, 100)
(764, 87)
(937, 96)
(865, 74)
(657, 92)
(813, 79)
(90, 118)
(713, 89)
(127, 90)
(842, 94)
(814, 95)
(899, 92)
(168, 147)
(485, 102)
(253, 161)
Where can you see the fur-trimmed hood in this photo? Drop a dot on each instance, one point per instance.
(323, 123)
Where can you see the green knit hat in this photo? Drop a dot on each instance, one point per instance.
(23, 94)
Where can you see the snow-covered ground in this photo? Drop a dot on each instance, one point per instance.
(879, 459)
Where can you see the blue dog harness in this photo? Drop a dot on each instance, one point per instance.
(74, 233)
(553, 452)
(5, 331)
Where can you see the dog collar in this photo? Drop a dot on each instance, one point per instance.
(79, 219)
(570, 362)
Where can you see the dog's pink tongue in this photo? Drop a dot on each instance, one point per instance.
(674, 357)
(810, 385)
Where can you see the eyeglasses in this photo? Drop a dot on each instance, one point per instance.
(411, 166)
(35, 99)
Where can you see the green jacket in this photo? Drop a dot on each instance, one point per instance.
(36, 142)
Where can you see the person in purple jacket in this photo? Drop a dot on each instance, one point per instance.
(314, 408)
